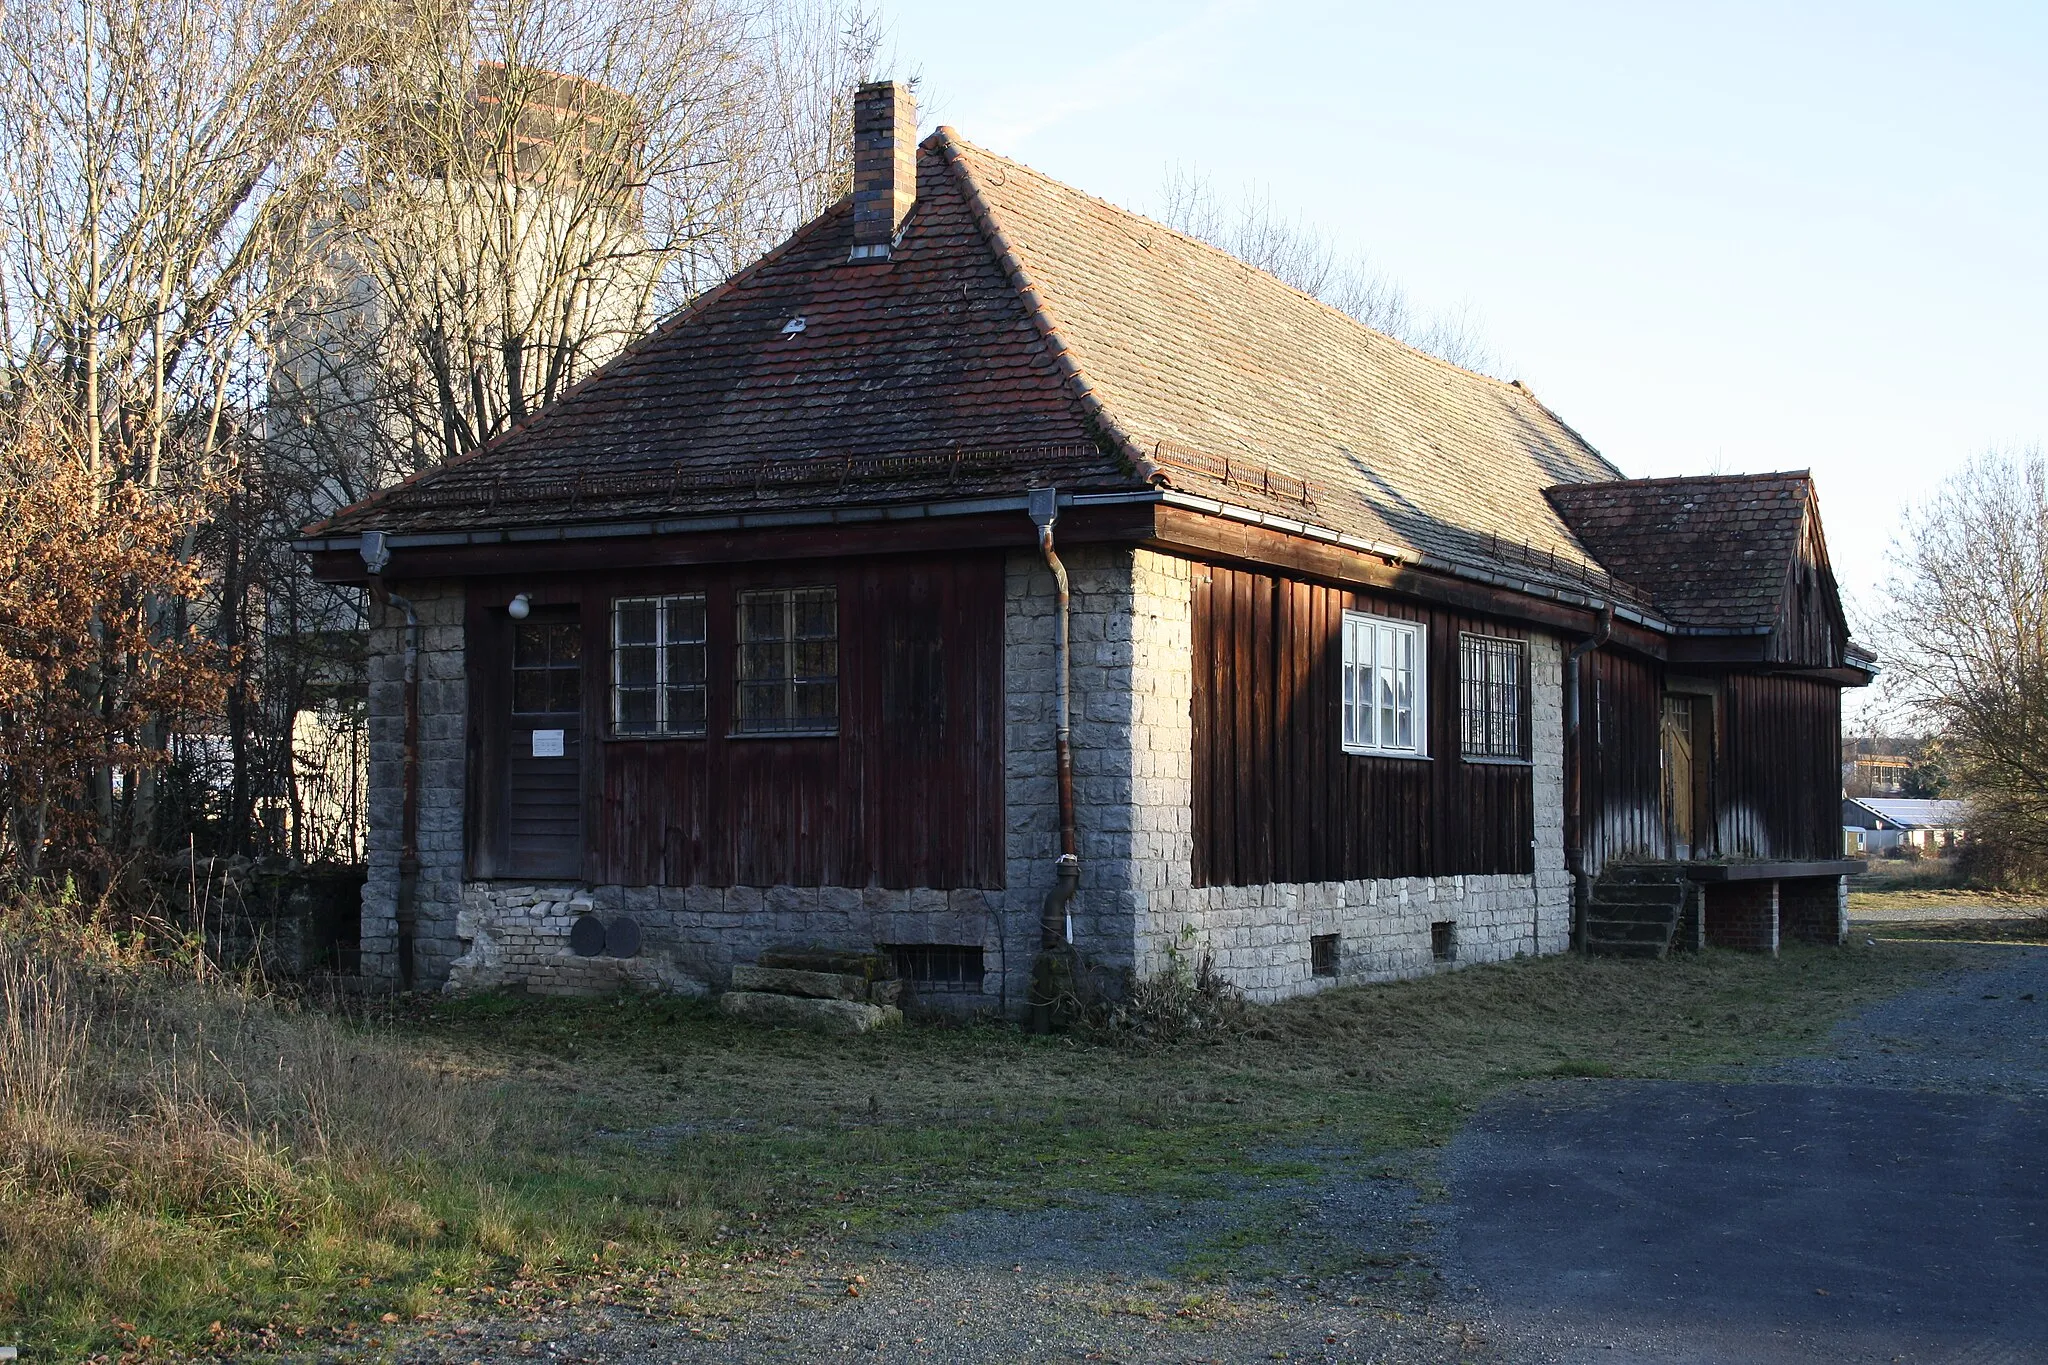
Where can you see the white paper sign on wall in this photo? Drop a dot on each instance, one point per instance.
(547, 743)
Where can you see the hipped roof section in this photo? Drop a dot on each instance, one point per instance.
(1024, 333)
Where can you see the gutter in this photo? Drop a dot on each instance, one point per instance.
(376, 557)
(1055, 920)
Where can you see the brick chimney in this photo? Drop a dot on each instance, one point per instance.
(884, 166)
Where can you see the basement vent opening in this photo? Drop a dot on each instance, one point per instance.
(929, 968)
(1443, 940)
(1322, 954)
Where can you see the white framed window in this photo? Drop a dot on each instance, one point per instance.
(1491, 723)
(658, 665)
(1385, 711)
(788, 676)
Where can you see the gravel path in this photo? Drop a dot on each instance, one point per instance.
(1883, 1201)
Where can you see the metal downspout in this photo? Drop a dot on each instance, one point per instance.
(1574, 821)
(1055, 924)
(376, 556)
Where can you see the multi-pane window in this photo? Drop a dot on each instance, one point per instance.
(658, 665)
(547, 667)
(1490, 700)
(1384, 710)
(788, 676)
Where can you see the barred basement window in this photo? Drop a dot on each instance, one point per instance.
(1322, 955)
(1490, 697)
(658, 665)
(927, 967)
(788, 677)
(1443, 940)
(1384, 687)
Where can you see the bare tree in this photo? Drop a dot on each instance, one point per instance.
(158, 157)
(1257, 233)
(1964, 635)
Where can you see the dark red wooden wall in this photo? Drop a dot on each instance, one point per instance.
(1620, 710)
(1780, 778)
(1276, 799)
(909, 793)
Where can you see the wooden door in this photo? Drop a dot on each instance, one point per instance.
(1678, 772)
(544, 747)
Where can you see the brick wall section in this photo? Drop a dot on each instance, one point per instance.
(1813, 910)
(1743, 915)
(443, 719)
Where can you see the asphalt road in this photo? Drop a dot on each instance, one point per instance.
(1887, 1201)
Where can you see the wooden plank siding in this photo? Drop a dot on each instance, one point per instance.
(1810, 629)
(908, 793)
(1275, 797)
(1621, 782)
(1781, 779)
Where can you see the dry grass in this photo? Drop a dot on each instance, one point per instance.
(176, 1153)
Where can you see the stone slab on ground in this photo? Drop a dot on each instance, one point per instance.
(793, 981)
(839, 1017)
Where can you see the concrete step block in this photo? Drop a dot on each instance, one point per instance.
(847, 961)
(1666, 894)
(794, 981)
(840, 1018)
(1603, 947)
(1629, 930)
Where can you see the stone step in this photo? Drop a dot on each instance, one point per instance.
(841, 1018)
(1660, 874)
(1632, 931)
(843, 961)
(1633, 914)
(1669, 895)
(1602, 947)
(796, 981)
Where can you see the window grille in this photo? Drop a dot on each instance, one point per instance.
(939, 966)
(1443, 940)
(1385, 711)
(1322, 955)
(659, 665)
(788, 677)
(1491, 697)
(547, 668)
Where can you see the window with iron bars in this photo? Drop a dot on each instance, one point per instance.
(1492, 697)
(659, 665)
(788, 675)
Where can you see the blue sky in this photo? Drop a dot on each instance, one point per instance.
(1716, 238)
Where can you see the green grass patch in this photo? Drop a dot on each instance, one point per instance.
(437, 1159)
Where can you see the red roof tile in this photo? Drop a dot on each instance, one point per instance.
(1023, 333)
(1713, 552)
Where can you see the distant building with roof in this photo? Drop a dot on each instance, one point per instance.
(993, 578)
(1872, 824)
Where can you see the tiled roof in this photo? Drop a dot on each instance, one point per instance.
(1712, 552)
(1023, 333)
